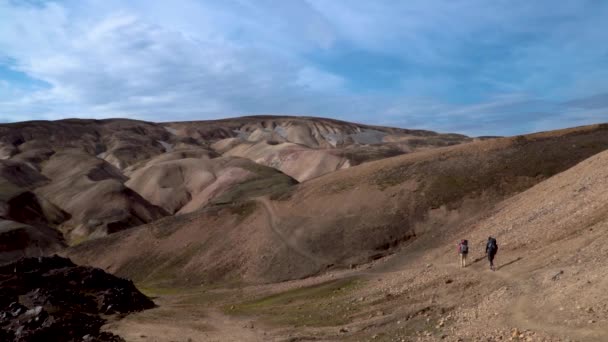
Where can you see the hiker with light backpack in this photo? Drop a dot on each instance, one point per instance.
(491, 250)
(463, 250)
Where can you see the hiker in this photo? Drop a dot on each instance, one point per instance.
(491, 249)
(463, 250)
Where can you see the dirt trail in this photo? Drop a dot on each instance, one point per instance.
(291, 243)
(185, 317)
(182, 317)
(230, 329)
(521, 312)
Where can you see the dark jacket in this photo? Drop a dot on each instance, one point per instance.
(491, 246)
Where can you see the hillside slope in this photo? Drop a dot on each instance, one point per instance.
(186, 181)
(90, 178)
(550, 282)
(307, 147)
(345, 218)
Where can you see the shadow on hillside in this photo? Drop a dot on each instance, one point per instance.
(509, 263)
(479, 259)
(499, 267)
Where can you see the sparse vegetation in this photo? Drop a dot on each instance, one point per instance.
(392, 176)
(229, 250)
(276, 185)
(327, 304)
(243, 209)
(340, 186)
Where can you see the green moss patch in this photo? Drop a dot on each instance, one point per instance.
(244, 209)
(327, 304)
(275, 186)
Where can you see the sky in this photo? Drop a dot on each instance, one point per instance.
(476, 67)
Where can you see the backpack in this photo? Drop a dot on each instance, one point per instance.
(464, 247)
(492, 246)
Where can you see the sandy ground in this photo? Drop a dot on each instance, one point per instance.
(405, 297)
(514, 315)
(550, 284)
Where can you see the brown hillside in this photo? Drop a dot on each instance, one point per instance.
(304, 147)
(20, 240)
(550, 280)
(92, 192)
(19, 203)
(109, 175)
(345, 218)
(290, 157)
(26, 218)
(182, 185)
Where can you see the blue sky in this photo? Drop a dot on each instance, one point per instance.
(471, 66)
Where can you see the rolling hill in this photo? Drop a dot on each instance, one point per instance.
(290, 229)
(345, 218)
(90, 178)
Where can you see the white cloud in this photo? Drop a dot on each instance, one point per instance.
(118, 63)
(189, 59)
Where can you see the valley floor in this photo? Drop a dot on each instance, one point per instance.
(399, 298)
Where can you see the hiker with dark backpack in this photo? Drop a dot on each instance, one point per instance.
(491, 250)
(463, 250)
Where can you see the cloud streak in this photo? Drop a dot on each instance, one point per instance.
(470, 66)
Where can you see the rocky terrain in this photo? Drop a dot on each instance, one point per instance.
(90, 178)
(549, 285)
(348, 217)
(52, 299)
(294, 229)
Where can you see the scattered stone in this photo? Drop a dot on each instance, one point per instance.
(557, 276)
(34, 312)
(344, 330)
(64, 301)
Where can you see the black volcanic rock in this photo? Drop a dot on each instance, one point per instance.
(52, 299)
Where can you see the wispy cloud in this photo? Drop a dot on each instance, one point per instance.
(472, 66)
(597, 101)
